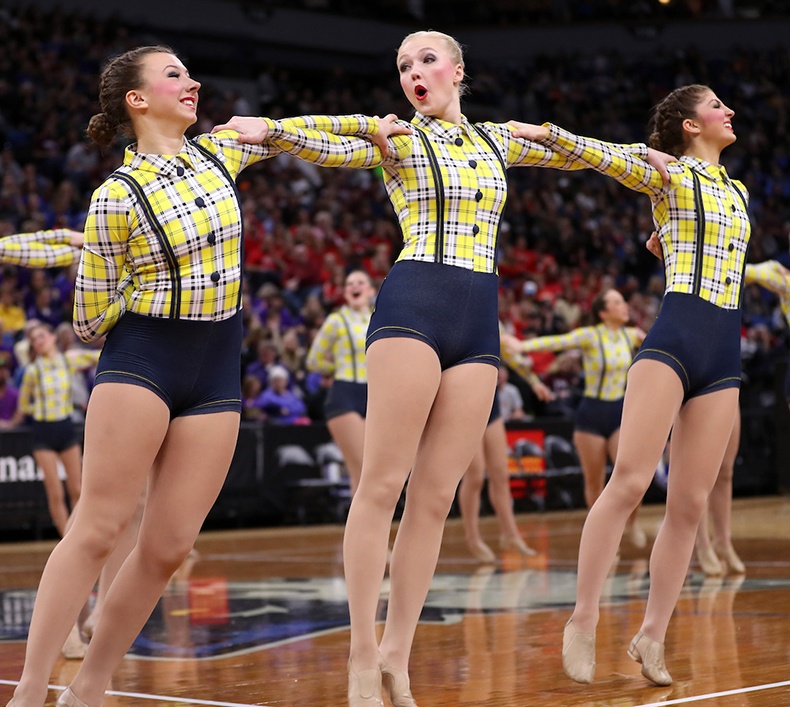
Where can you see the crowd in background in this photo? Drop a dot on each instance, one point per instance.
(565, 236)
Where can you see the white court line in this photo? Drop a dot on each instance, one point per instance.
(213, 703)
(158, 698)
(713, 695)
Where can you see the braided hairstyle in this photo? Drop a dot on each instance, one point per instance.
(121, 75)
(666, 123)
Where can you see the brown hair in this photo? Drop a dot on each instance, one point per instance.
(599, 304)
(666, 123)
(121, 75)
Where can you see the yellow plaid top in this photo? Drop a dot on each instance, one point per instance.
(447, 182)
(40, 249)
(339, 346)
(171, 249)
(775, 277)
(45, 392)
(700, 216)
(606, 356)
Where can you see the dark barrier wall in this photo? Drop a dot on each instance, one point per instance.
(293, 474)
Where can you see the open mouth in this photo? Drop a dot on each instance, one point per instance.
(190, 102)
(421, 92)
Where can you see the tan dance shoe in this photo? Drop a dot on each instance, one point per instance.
(481, 552)
(516, 544)
(650, 654)
(74, 648)
(578, 654)
(396, 685)
(364, 687)
(730, 557)
(69, 699)
(708, 562)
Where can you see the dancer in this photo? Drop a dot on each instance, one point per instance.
(433, 343)
(607, 350)
(338, 350)
(164, 284)
(491, 458)
(686, 375)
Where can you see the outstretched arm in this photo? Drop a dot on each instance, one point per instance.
(331, 141)
(42, 249)
(642, 172)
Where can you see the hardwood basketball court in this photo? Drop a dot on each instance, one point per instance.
(262, 620)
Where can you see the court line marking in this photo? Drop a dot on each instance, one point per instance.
(714, 695)
(158, 698)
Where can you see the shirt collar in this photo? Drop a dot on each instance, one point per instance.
(441, 128)
(714, 172)
(166, 165)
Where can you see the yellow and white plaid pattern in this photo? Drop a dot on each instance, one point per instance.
(40, 249)
(775, 277)
(606, 356)
(446, 183)
(181, 259)
(45, 391)
(700, 216)
(339, 346)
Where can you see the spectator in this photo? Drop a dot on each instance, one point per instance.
(281, 405)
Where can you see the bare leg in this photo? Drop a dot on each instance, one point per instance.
(396, 416)
(71, 459)
(591, 449)
(469, 492)
(348, 431)
(652, 400)
(452, 435)
(496, 453)
(698, 442)
(720, 503)
(56, 498)
(126, 542)
(188, 475)
(115, 470)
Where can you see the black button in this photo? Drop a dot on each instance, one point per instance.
(459, 141)
(731, 247)
(473, 163)
(215, 277)
(211, 238)
(479, 195)
(732, 206)
(728, 281)
(180, 171)
(199, 201)
(475, 229)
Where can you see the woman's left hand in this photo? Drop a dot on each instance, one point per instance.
(659, 160)
(250, 129)
(388, 125)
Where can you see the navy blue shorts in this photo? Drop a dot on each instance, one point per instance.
(55, 436)
(496, 411)
(598, 417)
(344, 397)
(193, 366)
(451, 309)
(699, 341)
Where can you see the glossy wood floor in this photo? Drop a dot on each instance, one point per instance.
(262, 620)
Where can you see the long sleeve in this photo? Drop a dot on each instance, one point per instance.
(40, 249)
(320, 358)
(103, 283)
(611, 160)
(559, 342)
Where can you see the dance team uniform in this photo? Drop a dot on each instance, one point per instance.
(702, 222)
(606, 356)
(338, 350)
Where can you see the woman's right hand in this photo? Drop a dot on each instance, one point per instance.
(527, 131)
(654, 245)
(251, 130)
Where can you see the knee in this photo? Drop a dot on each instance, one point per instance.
(165, 555)
(628, 487)
(687, 509)
(433, 504)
